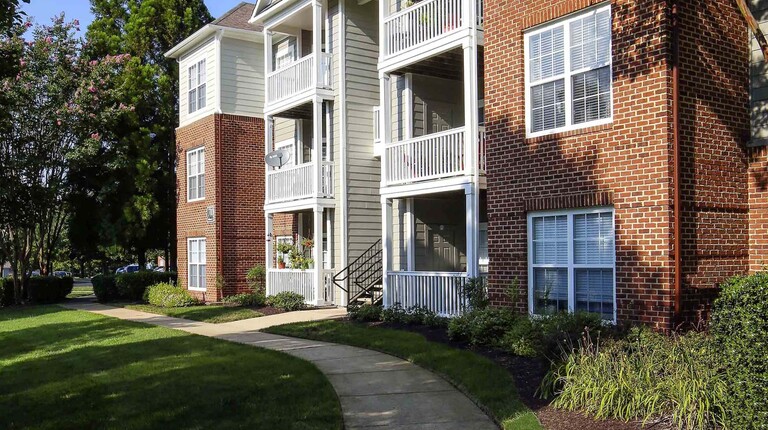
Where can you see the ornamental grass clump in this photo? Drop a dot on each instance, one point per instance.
(648, 377)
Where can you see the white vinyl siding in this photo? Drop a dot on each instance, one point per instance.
(568, 73)
(197, 84)
(196, 263)
(196, 174)
(242, 77)
(572, 262)
(205, 52)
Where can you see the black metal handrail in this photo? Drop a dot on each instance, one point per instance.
(362, 276)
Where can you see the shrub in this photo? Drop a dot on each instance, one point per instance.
(6, 292)
(131, 286)
(525, 338)
(104, 288)
(247, 299)
(475, 293)
(648, 376)
(393, 314)
(287, 301)
(482, 327)
(365, 312)
(49, 289)
(740, 328)
(169, 296)
(257, 279)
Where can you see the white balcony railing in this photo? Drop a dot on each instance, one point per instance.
(293, 280)
(439, 291)
(424, 22)
(433, 156)
(297, 77)
(297, 182)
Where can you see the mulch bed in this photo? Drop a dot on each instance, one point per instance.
(528, 374)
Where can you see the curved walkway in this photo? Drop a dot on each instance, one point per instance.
(376, 390)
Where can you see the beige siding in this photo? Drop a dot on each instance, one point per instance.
(206, 51)
(759, 79)
(362, 86)
(242, 77)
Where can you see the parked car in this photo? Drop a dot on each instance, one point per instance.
(128, 269)
(159, 269)
(62, 274)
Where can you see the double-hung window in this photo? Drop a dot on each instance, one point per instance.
(196, 79)
(196, 263)
(568, 73)
(196, 174)
(572, 262)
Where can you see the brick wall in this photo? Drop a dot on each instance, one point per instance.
(242, 198)
(757, 180)
(627, 164)
(190, 217)
(234, 174)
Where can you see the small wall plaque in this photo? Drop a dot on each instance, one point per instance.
(210, 214)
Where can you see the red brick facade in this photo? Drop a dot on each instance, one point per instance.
(628, 164)
(234, 175)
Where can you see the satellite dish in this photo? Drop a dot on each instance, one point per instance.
(278, 158)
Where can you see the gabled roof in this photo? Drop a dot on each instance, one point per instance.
(237, 17)
(234, 21)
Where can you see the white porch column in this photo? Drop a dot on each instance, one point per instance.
(385, 112)
(410, 229)
(318, 254)
(383, 42)
(386, 245)
(472, 209)
(317, 40)
(268, 224)
(317, 144)
(267, 61)
(470, 107)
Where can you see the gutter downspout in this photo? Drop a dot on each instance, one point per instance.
(676, 178)
(342, 56)
(217, 209)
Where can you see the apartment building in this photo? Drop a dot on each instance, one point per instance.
(622, 178)
(220, 153)
(321, 202)
(597, 155)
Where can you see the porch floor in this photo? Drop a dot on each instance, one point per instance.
(375, 389)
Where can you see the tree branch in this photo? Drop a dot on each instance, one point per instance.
(754, 26)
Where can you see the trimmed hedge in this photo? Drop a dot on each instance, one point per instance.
(740, 328)
(169, 296)
(287, 301)
(128, 286)
(6, 292)
(247, 299)
(49, 289)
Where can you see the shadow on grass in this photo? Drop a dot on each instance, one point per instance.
(68, 369)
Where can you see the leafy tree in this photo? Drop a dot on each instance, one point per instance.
(135, 192)
(57, 104)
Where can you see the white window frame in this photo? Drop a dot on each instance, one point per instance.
(571, 266)
(199, 174)
(197, 84)
(283, 53)
(201, 261)
(567, 75)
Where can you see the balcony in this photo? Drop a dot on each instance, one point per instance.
(297, 79)
(431, 157)
(297, 183)
(417, 27)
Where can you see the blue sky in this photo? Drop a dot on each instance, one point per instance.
(43, 10)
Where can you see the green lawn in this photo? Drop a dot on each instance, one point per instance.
(209, 314)
(65, 369)
(489, 384)
(80, 291)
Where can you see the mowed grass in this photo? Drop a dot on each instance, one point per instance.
(209, 314)
(65, 369)
(487, 383)
(80, 291)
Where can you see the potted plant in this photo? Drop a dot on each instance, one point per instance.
(280, 262)
(282, 249)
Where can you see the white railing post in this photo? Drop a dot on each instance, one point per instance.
(386, 247)
(317, 41)
(268, 246)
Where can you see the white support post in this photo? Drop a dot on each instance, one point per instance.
(386, 246)
(385, 112)
(318, 254)
(268, 246)
(472, 197)
(470, 109)
(267, 60)
(383, 43)
(317, 144)
(411, 235)
(317, 40)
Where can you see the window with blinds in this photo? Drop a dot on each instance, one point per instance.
(196, 86)
(572, 262)
(196, 174)
(568, 73)
(196, 263)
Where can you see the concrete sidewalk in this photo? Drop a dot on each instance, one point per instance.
(376, 390)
